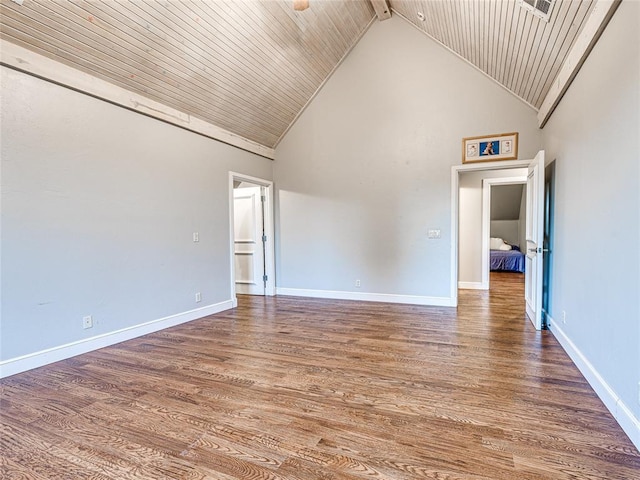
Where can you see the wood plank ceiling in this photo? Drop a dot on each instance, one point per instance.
(251, 66)
(246, 66)
(519, 50)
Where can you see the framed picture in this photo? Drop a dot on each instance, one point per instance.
(502, 146)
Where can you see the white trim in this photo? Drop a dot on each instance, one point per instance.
(32, 63)
(368, 297)
(269, 231)
(499, 165)
(455, 187)
(473, 285)
(620, 411)
(453, 248)
(602, 12)
(487, 183)
(23, 363)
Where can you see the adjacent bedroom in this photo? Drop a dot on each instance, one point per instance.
(507, 229)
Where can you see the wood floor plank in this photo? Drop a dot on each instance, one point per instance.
(291, 388)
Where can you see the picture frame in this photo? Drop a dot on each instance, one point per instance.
(489, 148)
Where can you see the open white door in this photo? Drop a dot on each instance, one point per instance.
(248, 241)
(534, 234)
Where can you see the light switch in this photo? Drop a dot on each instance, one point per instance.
(434, 233)
(196, 237)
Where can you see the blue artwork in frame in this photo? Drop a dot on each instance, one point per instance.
(489, 148)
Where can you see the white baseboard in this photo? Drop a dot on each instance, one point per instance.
(45, 357)
(473, 285)
(623, 414)
(368, 297)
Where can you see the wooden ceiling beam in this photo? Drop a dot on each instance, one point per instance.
(21, 59)
(586, 40)
(382, 8)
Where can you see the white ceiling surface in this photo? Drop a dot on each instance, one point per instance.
(250, 67)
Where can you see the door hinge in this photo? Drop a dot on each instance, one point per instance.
(264, 239)
(263, 198)
(265, 278)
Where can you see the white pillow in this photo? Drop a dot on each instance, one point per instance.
(505, 247)
(495, 243)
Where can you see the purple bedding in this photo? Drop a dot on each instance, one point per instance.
(510, 260)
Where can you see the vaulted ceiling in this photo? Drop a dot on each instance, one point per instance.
(501, 38)
(249, 67)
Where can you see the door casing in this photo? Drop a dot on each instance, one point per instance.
(487, 183)
(269, 248)
(456, 170)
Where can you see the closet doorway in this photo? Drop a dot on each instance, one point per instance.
(251, 227)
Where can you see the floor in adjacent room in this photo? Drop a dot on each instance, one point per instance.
(292, 388)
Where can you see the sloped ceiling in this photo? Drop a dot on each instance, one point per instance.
(506, 201)
(507, 42)
(249, 67)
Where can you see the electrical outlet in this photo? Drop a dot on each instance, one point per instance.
(87, 322)
(564, 317)
(198, 297)
(358, 283)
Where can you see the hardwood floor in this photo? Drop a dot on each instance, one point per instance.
(289, 388)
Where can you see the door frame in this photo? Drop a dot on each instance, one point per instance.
(487, 184)
(269, 246)
(549, 228)
(456, 170)
(252, 245)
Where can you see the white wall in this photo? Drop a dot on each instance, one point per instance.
(506, 229)
(365, 171)
(594, 137)
(98, 209)
(470, 221)
(508, 212)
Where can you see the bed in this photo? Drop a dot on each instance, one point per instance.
(505, 257)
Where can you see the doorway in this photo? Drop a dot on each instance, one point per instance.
(474, 221)
(533, 249)
(504, 218)
(251, 232)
